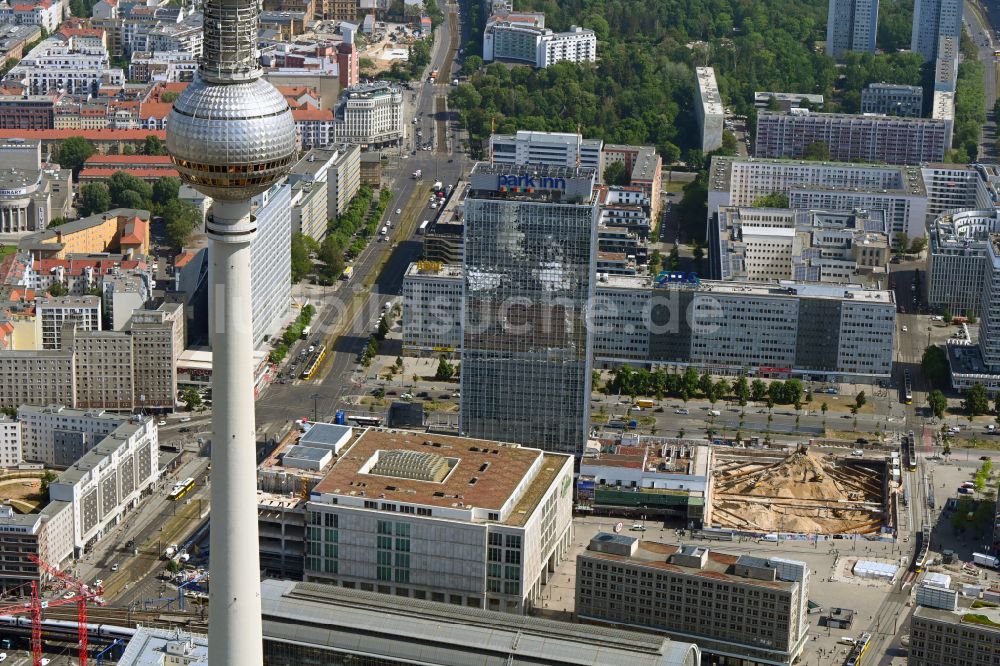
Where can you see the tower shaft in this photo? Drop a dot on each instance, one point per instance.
(235, 634)
(229, 52)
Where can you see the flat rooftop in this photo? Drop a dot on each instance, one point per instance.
(991, 615)
(904, 179)
(653, 454)
(97, 455)
(718, 566)
(434, 269)
(806, 114)
(480, 473)
(410, 631)
(711, 100)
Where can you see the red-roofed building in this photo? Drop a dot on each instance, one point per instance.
(104, 140)
(315, 127)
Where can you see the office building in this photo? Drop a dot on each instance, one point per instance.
(708, 109)
(964, 637)
(53, 312)
(109, 480)
(646, 477)
(120, 295)
(851, 25)
(158, 340)
(989, 305)
(309, 623)
(530, 237)
(47, 534)
(767, 244)
(75, 65)
(953, 187)
(10, 442)
(852, 138)
(897, 190)
(522, 37)
(271, 261)
(548, 148)
(432, 307)
(370, 115)
(957, 259)
(932, 21)
(165, 647)
(32, 193)
(735, 607)
(338, 169)
(891, 99)
(462, 521)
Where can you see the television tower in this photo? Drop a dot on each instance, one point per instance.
(231, 136)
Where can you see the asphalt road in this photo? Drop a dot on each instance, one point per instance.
(348, 310)
(983, 36)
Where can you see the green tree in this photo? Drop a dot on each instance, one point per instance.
(917, 245)
(699, 255)
(165, 190)
(94, 198)
(773, 200)
(153, 146)
(191, 398)
(182, 219)
(301, 265)
(934, 366)
(824, 408)
(615, 174)
(860, 399)
(818, 151)
(73, 152)
(902, 241)
(758, 389)
(445, 370)
(976, 401)
(471, 64)
(169, 96)
(674, 259)
(121, 183)
(742, 390)
(47, 478)
(937, 402)
(655, 262)
(57, 289)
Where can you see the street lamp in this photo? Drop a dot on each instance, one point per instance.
(315, 398)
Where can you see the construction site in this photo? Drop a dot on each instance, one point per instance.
(799, 492)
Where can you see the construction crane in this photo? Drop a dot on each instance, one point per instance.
(81, 593)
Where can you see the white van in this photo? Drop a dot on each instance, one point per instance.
(846, 640)
(714, 412)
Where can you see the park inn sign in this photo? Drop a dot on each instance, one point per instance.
(528, 182)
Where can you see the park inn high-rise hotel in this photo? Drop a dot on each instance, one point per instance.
(530, 254)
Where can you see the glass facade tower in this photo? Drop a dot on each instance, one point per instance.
(530, 253)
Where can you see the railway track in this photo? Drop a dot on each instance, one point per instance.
(123, 617)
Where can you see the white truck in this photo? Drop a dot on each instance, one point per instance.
(984, 560)
(437, 186)
(419, 172)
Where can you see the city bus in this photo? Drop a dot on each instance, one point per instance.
(907, 388)
(180, 489)
(312, 365)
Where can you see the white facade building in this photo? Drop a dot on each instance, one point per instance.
(52, 313)
(59, 436)
(46, 14)
(271, 261)
(523, 37)
(548, 148)
(957, 259)
(932, 21)
(109, 480)
(463, 521)
(897, 190)
(575, 45)
(432, 312)
(708, 109)
(851, 26)
(370, 114)
(73, 65)
(10, 442)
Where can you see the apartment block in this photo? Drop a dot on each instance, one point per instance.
(735, 607)
(382, 629)
(989, 305)
(119, 230)
(787, 100)
(965, 637)
(767, 244)
(897, 190)
(27, 112)
(158, 340)
(47, 534)
(338, 169)
(891, 99)
(109, 480)
(523, 37)
(10, 442)
(76, 65)
(708, 109)
(934, 20)
(59, 436)
(852, 138)
(53, 312)
(952, 187)
(271, 261)
(370, 115)
(957, 259)
(461, 521)
(851, 25)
